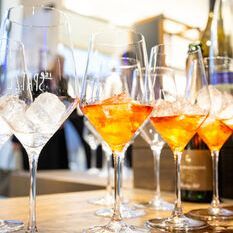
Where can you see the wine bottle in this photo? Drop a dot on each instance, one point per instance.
(196, 165)
(216, 38)
(222, 45)
(221, 35)
(196, 172)
(205, 39)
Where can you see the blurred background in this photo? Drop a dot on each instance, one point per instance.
(159, 21)
(177, 23)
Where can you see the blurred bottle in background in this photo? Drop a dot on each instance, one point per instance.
(196, 165)
(215, 40)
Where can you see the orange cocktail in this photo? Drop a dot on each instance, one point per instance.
(117, 119)
(177, 130)
(228, 122)
(214, 133)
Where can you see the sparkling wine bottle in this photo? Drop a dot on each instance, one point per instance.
(205, 38)
(196, 166)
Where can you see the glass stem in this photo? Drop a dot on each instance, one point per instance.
(215, 158)
(33, 161)
(108, 186)
(117, 186)
(156, 155)
(93, 158)
(177, 212)
(122, 173)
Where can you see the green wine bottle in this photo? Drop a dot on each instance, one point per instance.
(205, 39)
(196, 172)
(196, 165)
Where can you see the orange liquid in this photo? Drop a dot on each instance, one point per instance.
(117, 122)
(177, 130)
(214, 133)
(228, 122)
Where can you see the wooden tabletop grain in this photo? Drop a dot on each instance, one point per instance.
(70, 212)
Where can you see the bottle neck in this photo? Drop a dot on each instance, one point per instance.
(211, 5)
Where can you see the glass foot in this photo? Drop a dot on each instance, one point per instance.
(212, 214)
(93, 171)
(179, 224)
(116, 227)
(104, 172)
(10, 225)
(156, 204)
(107, 200)
(126, 212)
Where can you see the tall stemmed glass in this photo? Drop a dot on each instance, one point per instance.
(156, 144)
(118, 115)
(39, 103)
(93, 140)
(177, 118)
(107, 199)
(217, 128)
(12, 65)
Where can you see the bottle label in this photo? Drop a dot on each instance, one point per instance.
(196, 170)
(222, 78)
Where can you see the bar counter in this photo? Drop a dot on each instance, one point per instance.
(70, 212)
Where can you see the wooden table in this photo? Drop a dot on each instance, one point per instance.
(58, 181)
(70, 212)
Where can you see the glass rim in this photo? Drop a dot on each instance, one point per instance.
(165, 68)
(220, 58)
(96, 34)
(34, 8)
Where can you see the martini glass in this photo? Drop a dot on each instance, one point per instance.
(177, 119)
(118, 115)
(39, 102)
(156, 144)
(217, 128)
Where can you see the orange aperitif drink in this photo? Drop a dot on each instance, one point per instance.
(177, 130)
(214, 133)
(117, 119)
(228, 122)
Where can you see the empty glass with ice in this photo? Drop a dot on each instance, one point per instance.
(38, 102)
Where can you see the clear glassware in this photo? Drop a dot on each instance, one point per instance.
(156, 144)
(106, 168)
(128, 210)
(107, 199)
(12, 64)
(217, 128)
(38, 103)
(177, 118)
(93, 140)
(117, 107)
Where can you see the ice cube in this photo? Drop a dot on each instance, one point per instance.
(227, 99)
(46, 111)
(118, 99)
(185, 107)
(164, 108)
(178, 107)
(226, 113)
(212, 99)
(10, 105)
(12, 109)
